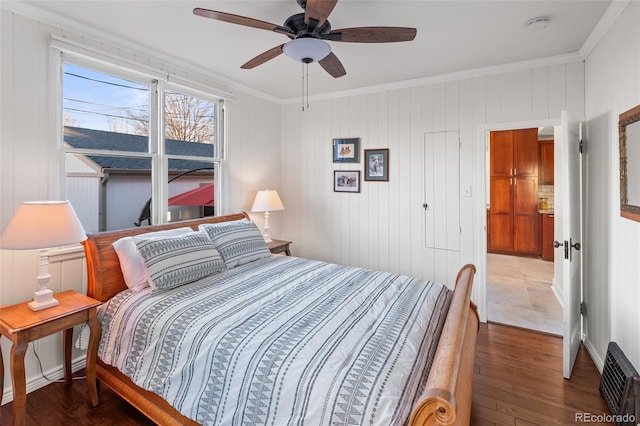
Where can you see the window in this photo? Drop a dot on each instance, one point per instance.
(137, 150)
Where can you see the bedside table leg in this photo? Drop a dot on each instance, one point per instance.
(18, 350)
(92, 354)
(67, 336)
(1, 376)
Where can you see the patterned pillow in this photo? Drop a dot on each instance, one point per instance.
(132, 264)
(238, 242)
(174, 261)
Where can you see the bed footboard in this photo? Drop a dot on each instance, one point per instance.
(447, 396)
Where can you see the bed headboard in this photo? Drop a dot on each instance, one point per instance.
(105, 278)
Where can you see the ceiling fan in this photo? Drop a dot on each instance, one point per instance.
(308, 31)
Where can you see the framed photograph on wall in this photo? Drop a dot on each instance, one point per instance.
(376, 165)
(346, 150)
(346, 180)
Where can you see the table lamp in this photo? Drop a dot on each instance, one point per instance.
(266, 201)
(42, 225)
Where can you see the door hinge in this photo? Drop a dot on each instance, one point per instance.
(583, 308)
(582, 146)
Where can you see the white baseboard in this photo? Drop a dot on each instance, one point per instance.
(37, 382)
(597, 360)
(557, 291)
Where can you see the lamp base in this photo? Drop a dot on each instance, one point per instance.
(42, 299)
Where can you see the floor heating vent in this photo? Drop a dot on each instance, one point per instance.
(617, 385)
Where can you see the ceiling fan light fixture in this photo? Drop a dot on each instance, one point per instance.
(306, 50)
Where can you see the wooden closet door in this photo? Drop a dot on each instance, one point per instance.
(501, 215)
(525, 159)
(526, 219)
(526, 226)
(501, 152)
(514, 221)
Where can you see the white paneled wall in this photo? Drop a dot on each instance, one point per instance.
(383, 226)
(612, 265)
(30, 164)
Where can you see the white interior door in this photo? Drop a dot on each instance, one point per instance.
(568, 233)
(442, 204)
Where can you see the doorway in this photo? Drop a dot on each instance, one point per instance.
(519, 199)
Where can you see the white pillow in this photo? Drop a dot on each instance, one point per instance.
(173, 261)
(131, 262)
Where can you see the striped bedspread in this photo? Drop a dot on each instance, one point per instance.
(281, 341)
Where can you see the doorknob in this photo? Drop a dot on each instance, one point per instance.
(557, 244)
(567, 245)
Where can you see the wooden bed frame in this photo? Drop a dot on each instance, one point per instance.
(447, 396)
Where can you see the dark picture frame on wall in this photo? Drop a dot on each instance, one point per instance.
(376, 165)
(346, 180)
(346, 150)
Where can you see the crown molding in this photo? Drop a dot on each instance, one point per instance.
(68, 26)
(613, 12)
(452, 76)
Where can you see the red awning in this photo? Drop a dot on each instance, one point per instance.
(201, 196)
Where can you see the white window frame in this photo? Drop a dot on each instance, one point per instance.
(72, 53)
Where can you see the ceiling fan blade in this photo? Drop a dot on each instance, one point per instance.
(372, 34)
(263, 57)
(241, 20)
(332, 65)
(318, 10)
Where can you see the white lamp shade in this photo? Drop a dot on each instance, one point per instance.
(267, 201)
(42, 224)
(306, 48)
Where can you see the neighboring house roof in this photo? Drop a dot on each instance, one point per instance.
(81, 138)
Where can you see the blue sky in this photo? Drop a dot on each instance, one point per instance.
(96, 100)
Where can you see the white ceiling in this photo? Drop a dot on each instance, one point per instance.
(452, 36)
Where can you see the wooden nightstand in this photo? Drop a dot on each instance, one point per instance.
(279, 246)
(21, 325)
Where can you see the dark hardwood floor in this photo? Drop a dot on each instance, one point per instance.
(518, 381)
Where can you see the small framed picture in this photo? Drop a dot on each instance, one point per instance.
(346, 150)
(346, 180)
(376, 165)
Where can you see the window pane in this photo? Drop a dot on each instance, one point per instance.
(105, 103)
(191, 190)
(108, 192)
(110, 115)
(190, 125)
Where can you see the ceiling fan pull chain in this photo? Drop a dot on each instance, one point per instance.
(306, 66)
(302, 92)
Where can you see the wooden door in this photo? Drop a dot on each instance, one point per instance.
(546, 162)
(526, 219)
(525, 152)
(500, 223)
(514, 221)
(547, 248)
(501, 214)
(501, 153)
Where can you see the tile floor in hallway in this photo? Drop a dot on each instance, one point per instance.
(519, 293)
